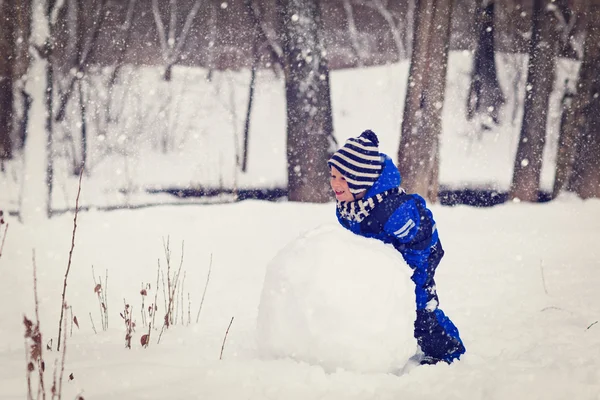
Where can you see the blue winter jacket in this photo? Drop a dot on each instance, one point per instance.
(408, 225)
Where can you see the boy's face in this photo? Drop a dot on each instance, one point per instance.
(340, 186)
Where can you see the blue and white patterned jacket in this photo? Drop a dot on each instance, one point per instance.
(401, 219)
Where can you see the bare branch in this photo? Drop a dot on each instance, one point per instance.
(93, 38)
(62, 308)
(3, 238)
(353, 32)
(129, 16)
(160, 26)
(387, 15)
(93, 326)
(225, 338)
(205, 286)
(172, 27)
(266, 33)
(186, 30)
(86, 51)
(62, 358)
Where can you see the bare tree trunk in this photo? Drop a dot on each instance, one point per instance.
(309, 121)
(83, 115)
(485, 95)
(570, 121)
(422, 122)
(49, 97)
(22, 100)
(7, 60)
(255, 61)
(585, 177)
(540, 81)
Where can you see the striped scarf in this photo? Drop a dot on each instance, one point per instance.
(358, 210)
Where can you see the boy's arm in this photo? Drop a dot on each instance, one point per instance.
(412, 224)
(404, 223)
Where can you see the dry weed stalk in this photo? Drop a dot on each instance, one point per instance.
(73, 321)
(34, 353)
(181, 302)
(64, 292)
(33, 343)
(93, 326)
(144, 293)
(152, 309)
(2, 235)
(127, 316)
(225, 338)
(189, 321)
(205, 287)
(172, 283)
(58, 392)
(101, 293)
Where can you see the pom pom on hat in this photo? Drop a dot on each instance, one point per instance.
(359, 161)
(370, 135)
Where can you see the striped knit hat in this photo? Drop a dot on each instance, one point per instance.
(359, 161)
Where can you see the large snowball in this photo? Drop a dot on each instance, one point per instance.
(338, 300)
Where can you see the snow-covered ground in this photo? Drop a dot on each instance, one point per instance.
(519, 280)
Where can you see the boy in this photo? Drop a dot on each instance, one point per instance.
(371, 203)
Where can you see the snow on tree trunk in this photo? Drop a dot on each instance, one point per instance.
(485, 95)
(309, 120)
(7, 50)
(585, 178)
(540, 80)
(36, 188)
(418, 153)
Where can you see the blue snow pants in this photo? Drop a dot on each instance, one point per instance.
(437, 336)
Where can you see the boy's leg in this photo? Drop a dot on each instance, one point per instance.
(437, 336)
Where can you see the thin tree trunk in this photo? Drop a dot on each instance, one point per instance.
(540, 81)
(49, 101)
(411, 141)
(85, 48)
(585, 177)
(255, 61)
(309, 121)
(83, 115)
(485, 95)
(127, 28)
(422, 122)
(21, 66)
(49, 131)
(571, 115)
(7, 60)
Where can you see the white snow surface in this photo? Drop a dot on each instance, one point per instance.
(339, 301)
(519, 280)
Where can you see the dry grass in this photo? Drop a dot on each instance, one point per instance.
(2, 235)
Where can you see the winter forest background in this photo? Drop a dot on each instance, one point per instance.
(248, 98)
